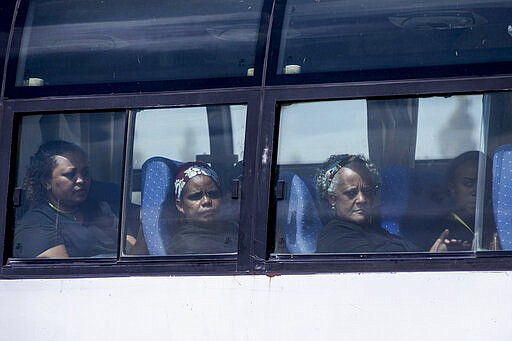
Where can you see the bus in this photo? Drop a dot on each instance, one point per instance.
(353, 155)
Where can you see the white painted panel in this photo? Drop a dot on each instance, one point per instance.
(382, 306)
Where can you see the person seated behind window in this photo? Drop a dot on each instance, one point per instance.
(459, 219)
(64, 221)
(202, 226)
(348, 184)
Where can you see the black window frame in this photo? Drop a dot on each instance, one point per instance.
(12, 91)
(124, 265)
(263, 98)
(6, 15)
(413, 262)
(256, 240)
(403, 73)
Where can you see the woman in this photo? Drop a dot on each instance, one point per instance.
(462, 177)
(348, 184)
(459, 219)
(63, 220)
(202, 227)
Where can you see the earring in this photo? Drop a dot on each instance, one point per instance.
(333, 207)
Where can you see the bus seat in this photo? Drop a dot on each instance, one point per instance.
(502, 194)
(298, 219)
(157, 195)
(394, 197)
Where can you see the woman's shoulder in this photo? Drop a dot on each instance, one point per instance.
(37, 214)
(217, 227)
(345, 229)
(339, 224)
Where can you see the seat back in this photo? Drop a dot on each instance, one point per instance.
(394, 197)
(157, 197)
(502, 194)
(298, 218)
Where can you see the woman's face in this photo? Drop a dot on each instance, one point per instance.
(353, 196)
(201, 200)
(69, 184)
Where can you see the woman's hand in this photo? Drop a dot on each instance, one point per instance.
(444, 244)
(495, 243)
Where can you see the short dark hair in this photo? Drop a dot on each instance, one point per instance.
(472, 155)
(41, 167)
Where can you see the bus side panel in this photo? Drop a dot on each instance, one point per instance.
(371, 306)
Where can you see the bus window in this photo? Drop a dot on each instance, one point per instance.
(64, 41)
(359, 37)
(309, 132)
(68, 185)
(442, 135)
(189, 159)
(390, 175)
(309, 127)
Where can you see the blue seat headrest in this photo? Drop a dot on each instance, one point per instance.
(157, 196)
(394, 197)
(502, 194)
(298, 218)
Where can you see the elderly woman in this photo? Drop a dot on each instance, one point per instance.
(348, 184)
(202, 227)
(64, 221)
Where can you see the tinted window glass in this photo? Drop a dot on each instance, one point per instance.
(6, 10)
(82, 41)
(333, 35)
(393, 175)
(68, 185)
(190, 161)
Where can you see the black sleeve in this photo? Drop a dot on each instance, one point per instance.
(35, 233)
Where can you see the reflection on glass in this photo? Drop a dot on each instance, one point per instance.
(391, 175)
(87, 42)
(66, 210)
(311, 128)
(340, 35)
(444, 124)
(190, 161)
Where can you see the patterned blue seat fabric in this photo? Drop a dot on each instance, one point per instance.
(157, 196)
(394, 197)
(298, 218)
(502, 194)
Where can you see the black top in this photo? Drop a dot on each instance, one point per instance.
(424, 231)
(218, 237)
(341, 236)
(43, 228)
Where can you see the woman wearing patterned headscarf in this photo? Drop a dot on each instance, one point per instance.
(348, 184)
(202, 228)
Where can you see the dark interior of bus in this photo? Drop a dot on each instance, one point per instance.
(92, 72)
(377, 35)
(411, 188)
